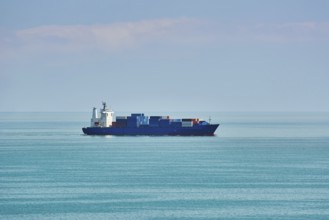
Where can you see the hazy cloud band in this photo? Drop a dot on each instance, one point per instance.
(118, 36)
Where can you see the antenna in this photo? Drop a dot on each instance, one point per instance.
(104, 105)
(209, 119)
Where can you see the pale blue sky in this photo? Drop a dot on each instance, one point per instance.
(164, 55)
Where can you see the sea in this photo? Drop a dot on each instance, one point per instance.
(259, 165)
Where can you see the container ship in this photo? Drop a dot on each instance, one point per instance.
(139, 124)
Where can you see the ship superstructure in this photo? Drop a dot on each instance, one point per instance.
(105, 119)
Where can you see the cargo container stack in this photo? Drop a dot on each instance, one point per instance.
(164, 123)
(195, 121)
(121, 121)
(132, 122)
(187, 122)
(154, 121)
(144, 120)
(176, 123)
(137, 120)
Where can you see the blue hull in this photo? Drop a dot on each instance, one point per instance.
(204, 130)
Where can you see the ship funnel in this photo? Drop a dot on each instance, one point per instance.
(94, 116)
(94, 122)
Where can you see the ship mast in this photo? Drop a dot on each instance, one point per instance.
(104, 105)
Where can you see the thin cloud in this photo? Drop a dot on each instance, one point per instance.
(179, 31)
(108, 37)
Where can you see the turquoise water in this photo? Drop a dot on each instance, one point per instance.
(258, 166)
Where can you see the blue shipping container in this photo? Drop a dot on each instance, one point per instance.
(133, 118)
(133, 122)
(144, 120)
(121, 120)
(176, 124)
(164, 123)
(155, 117)
(137, 114)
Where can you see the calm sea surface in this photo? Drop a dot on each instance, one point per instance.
(258, 166)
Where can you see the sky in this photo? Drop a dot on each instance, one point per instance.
(173, 55)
